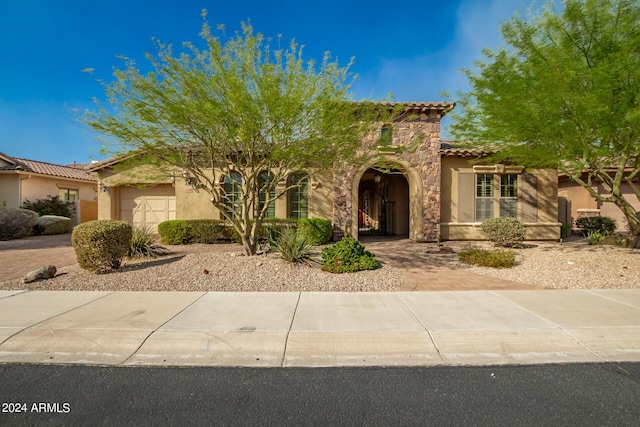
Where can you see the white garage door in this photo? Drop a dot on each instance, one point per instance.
(148, 206)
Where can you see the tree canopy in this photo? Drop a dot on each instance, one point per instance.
(563, 93)
(234, 112)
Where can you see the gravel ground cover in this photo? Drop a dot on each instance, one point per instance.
(574, 265)
(220, 267)
(223, 267)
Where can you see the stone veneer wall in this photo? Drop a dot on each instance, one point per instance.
(425, 160)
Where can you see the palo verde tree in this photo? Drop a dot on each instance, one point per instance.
(564, 93)
(236, 112)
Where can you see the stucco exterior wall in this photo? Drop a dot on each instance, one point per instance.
(544, 227)
(10, 191)
(38, 187)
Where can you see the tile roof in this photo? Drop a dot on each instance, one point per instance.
(449, 148)
(44, 168)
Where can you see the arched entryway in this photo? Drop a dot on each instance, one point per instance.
(383, 203)
(387, 200)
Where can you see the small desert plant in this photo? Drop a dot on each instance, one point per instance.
(292, 246)
(16, 223)
(51, 205)
(603, 224)
(506, 232)
(100, 245)
(595, 237)
(348, 255)
(486, 258)
(143, 243)
(317, 230)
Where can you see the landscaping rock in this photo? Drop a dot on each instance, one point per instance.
(52, 224)
(42, 273)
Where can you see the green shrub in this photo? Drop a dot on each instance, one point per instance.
(348, 255)
(317, 230)
(51, 205)
(292, 245)
(485, 258)
(175, 232)
(601, 224)
(100, 245)
(16, 223)
(270, 228)
(207, 231)
(143, 243)
(504, 231)
(51, 224)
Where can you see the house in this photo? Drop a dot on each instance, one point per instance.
(430, 194)
(574, 201)
(23, 179)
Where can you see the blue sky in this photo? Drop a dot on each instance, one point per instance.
(411, 49)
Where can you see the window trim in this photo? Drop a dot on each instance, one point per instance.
(299, 213)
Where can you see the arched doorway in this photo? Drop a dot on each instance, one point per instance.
(383, 203)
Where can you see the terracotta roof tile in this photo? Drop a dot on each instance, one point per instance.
(44, 168)
(448, 148)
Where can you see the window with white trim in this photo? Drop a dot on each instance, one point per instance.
(496, 191)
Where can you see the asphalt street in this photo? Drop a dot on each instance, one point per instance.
(576, 394)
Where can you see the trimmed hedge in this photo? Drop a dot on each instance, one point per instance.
(316, 230)
(182, 232)
(53, 224)
(100, 245)
(484, 258)
(16, 223)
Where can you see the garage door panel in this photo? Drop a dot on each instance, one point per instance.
(148, 206)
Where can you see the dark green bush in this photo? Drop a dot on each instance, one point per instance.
(100, 245)
(51, 205)
(16, 223)
(317, 230)
(348, 255)
(601, 224)
(182, 232)
(485, 258)
(208, 231)
(270, 228)
(175, 232)
(504, 231)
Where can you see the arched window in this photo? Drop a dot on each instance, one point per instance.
(299, 196)
(263, 180)
(232, 187)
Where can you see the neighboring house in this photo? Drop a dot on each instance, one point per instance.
(430, 194)
(575, 202)
(22, 180)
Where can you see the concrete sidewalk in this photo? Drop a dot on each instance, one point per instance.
(320, 329)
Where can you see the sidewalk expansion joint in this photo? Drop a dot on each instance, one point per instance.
(54, 316)
(433, 341)
(160, 326)
(286, 340)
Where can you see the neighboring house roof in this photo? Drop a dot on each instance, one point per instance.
(449, 148)
(43, 168)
